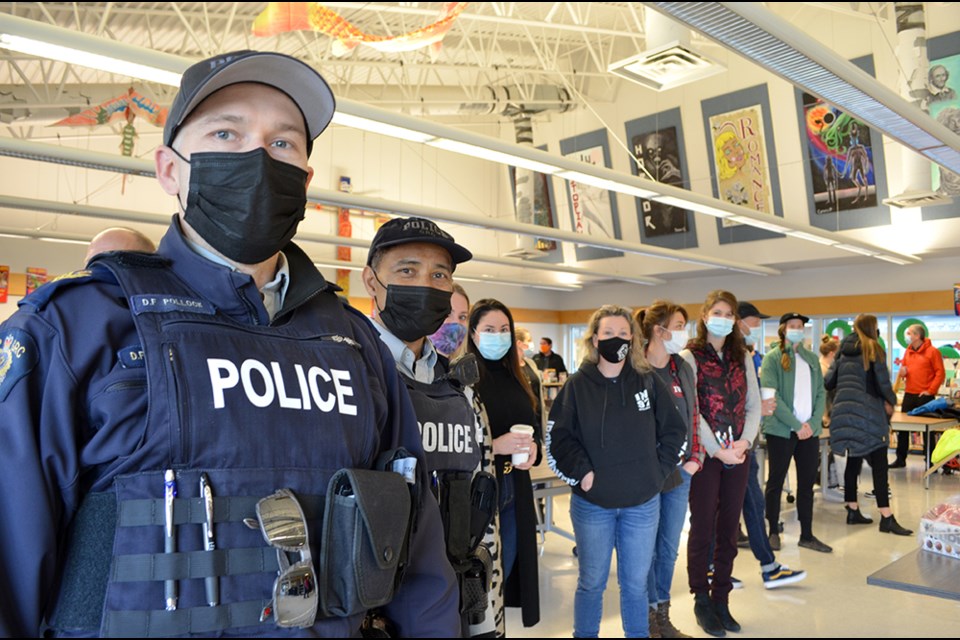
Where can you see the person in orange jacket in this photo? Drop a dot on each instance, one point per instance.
(922, 370)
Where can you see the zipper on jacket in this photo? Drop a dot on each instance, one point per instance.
(181, 405)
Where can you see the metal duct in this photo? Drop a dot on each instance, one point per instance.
(757, 34)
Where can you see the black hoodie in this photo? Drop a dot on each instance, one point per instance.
(626, 430)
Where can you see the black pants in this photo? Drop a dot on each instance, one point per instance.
(910, 402)
(806, 454)
(878, 462)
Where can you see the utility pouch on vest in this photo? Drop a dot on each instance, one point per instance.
(453, 494)
(362, 541)
(483, 506)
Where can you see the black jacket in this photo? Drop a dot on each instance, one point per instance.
(858, 421)
(626, 430)
(550, 361)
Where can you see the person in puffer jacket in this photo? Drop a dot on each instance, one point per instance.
(859, 424)
(615, 435)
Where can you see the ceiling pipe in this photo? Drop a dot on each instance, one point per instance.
(109, 162)
(106, 213)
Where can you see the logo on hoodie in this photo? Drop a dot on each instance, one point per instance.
(643, 400)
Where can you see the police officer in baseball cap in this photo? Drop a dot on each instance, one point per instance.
(222, 366)
(409, 276)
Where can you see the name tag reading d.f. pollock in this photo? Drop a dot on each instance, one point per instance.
(148, 303)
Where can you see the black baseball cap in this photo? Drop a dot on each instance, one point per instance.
(307, 88)
(793, 315)
(406, 230)
(747, 310)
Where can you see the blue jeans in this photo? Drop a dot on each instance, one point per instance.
(753, 516)
(508, 525)
(632, 532)
(673, 513)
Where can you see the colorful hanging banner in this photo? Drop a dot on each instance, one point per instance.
(280, 17)
(36, 276)
(4, 283)
(956, 299)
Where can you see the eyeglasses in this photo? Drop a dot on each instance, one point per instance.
(284, 526)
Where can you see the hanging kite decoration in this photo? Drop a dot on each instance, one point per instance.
(280, 17)
(123, 108)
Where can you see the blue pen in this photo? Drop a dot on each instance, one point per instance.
(169, 541)
(211, 583)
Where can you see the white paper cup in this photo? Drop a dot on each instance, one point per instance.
(767, 392)
(521, 457)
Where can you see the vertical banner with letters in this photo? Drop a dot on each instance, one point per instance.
(593, 210)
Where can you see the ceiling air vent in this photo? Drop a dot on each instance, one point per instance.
(910, 199)
(666, 67)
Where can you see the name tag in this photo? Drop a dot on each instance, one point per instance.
(131, 357)
(149, 303)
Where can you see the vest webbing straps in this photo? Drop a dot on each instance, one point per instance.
(197, 620)
(193, 564)
(140, 513)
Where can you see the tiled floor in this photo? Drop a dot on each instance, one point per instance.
(834, 600)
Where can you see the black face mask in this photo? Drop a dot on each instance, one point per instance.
(613, 350)
(245, 205)
(414, 312)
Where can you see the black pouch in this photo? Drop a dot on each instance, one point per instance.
(364, 535)
(475, 585)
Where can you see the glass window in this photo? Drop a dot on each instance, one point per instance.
(574, 335)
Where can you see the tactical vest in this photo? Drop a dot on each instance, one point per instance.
(256, 408)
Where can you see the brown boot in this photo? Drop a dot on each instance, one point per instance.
(667, 630)
(653, 623)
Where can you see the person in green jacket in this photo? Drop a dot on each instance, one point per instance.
(793, 431)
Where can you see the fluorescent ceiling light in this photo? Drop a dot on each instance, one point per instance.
(693, 206)
(518, 283)
(375, 126)
(489, 154)
(760, 224)
(892, 259)
(812, 238)
(603, 183)
(41, 49)
(666, 67)
(338, 265)
(62, 240)
(860, 250)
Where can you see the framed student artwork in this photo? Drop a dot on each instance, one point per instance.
(743, 167)
(657, 150)
(593, 210)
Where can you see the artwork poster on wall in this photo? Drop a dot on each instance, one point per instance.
(943, 104)
(593, 210)
(840, 152)
(738, 145)
(657, 153)
(540, 209)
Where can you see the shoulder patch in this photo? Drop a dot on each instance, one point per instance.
(18, 356)
(46, 292)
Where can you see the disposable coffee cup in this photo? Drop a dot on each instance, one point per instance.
(521, 457)
(766, 393)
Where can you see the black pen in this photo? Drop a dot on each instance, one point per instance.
(170, 542)
(209, 543)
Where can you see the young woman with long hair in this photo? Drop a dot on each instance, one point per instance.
(614, 435)
(729, 402)
(859, 423)
(505, 392)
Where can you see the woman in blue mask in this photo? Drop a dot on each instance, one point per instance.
(728, 399)
(793, 431)
(505, 393)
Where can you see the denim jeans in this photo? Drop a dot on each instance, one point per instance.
(632, 532)
(508, 525)
(673, 513)
(753, 518)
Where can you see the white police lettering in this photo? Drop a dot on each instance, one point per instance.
(263, 385)
(446, 438)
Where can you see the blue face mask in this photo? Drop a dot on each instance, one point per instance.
(720, 327)
(493, 346)
(749, 340)
(795, 336)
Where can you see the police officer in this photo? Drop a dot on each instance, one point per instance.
(225, 354)
(409, 276)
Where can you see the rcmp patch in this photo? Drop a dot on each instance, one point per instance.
(18, 356)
